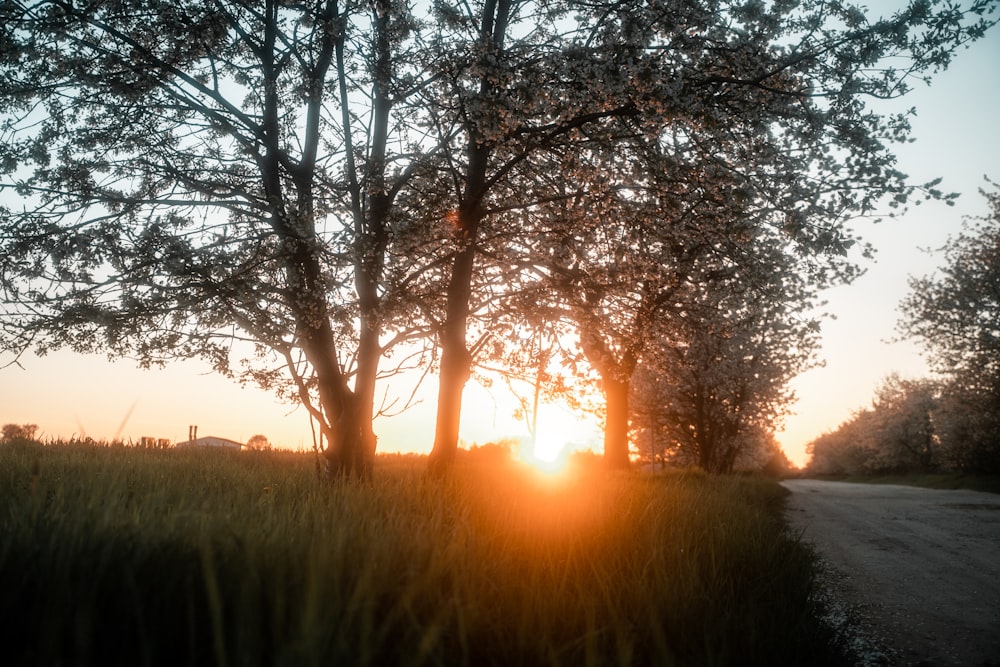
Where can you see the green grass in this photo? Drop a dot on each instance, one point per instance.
(954, 480)
(124, 556)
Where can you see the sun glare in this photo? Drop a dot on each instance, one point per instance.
(560, 433)
(548, 457)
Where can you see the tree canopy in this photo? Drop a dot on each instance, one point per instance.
(292, 190)
(196, 174)
(955, 315)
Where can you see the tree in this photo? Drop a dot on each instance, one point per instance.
(846, 450)
(955, 314)
(905, 436)
(717, 382)
(777, 463)
(967, 426)
(511, 86)
(897, 434)
(258, 442)
(196, 175)
(738, 121)
(301, 186)
(619, 283)
(12, 432)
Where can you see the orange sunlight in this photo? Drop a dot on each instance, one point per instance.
(545, 457)
(550, 452)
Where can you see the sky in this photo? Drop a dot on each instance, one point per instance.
(957, 138)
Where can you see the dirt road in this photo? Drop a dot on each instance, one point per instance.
(918, 568)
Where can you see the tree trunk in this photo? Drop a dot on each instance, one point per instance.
(456, 363)
(616, 441)
(352, 450)
(351, 454)
(345, 423)
(616, 380)
(343, 417)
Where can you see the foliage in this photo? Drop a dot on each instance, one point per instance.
(189, 182)
(732, 155)
(904, 426)
(841, 451)
(777, 464)
(291, 190)
(913, 427)
(258, 441)
(183, 557)
(953, 423)
(898, 434)
(955, 315)
(969, 429)
(12, 432)
(716, 388)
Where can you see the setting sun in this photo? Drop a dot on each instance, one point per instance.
(560, 432)
(548, 457)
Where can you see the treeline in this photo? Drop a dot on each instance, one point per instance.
(914, 426)
(952, 423)
(317, 197)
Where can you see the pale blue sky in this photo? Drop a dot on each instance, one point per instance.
(957, 137)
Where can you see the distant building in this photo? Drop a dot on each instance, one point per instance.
(210, 441)
(148, 442)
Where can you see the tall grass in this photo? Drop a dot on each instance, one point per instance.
(180, 557)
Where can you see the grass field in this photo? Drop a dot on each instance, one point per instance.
(147, 557)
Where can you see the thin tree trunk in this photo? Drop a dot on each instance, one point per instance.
(340, 412)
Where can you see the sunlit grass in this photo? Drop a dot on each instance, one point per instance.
(167, 557)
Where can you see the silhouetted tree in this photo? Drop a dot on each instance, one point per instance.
(258, 442)
(845, 450)
(967, 428)
(716, 382)
(211, 179)
(12, 432)
(904, 431)
(679, 121)
(297, 187)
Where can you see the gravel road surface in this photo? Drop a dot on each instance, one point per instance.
(918, 569)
